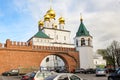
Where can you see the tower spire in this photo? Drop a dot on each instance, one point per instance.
(81, 19)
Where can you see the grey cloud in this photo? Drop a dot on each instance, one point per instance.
(107, 37)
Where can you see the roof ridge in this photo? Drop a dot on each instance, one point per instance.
(41, 34)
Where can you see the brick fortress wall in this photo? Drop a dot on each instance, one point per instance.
(22, 54)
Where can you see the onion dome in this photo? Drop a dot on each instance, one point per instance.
(40, 23)
(46, 17)
(51, 13)
(61, 20)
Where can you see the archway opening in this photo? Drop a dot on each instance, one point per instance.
(53, 62)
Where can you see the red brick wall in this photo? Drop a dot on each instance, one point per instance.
(13, 56)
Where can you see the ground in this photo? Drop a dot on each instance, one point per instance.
(85, 76)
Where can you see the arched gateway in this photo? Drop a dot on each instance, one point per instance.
(61, 60)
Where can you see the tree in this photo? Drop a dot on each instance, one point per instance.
(111, 54)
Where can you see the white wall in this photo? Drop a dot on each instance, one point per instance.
(98, 60)
(41, 41)
(59, 36)
(48, 42)
(86, 57)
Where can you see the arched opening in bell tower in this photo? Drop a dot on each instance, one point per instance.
(82, 41)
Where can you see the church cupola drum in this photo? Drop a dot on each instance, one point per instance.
(61, 22)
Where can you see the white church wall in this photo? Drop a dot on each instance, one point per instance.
(47, 42)
(59, 36)
(86, 57)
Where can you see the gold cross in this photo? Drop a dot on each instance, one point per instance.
(81, 17)
(50, 3)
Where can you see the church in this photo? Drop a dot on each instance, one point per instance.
(50, 47)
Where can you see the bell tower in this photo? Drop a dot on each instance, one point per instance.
(83, 44)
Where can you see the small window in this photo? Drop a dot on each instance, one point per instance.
(47, 59)
(64, 37)
(49, 35)
(96, 62)
(37, 40)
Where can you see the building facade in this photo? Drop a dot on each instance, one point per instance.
(99, 61)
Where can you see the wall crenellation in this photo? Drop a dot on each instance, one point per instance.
(14, 43)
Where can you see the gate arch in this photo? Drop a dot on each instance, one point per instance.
(71, 62)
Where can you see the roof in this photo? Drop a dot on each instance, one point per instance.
(56, 29)
(82, 31)
(40, 34)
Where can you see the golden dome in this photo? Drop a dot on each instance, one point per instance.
(61, 20)
(40, 23)
(46, 17)
(51, 13)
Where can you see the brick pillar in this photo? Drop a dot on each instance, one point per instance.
(0, 44)
(30, 44)
(8, 43)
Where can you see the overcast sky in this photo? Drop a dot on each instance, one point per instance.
(19, 18)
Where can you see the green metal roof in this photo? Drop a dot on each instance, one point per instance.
(40, 34)
(82, 31)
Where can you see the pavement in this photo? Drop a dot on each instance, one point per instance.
(9, 77)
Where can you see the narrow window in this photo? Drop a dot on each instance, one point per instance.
(88, 41)
(49, 35)
(37, 40)
(64, 37)
(57, 37)
(77, 43)
(82, 42)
